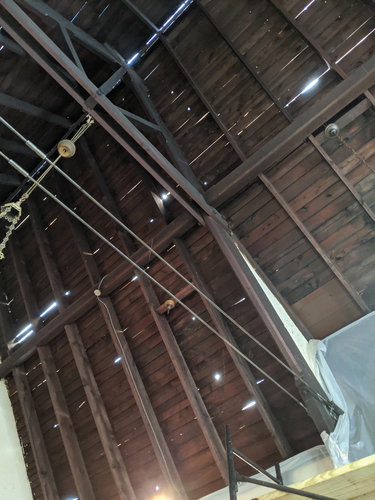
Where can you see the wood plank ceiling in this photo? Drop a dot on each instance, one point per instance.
(219, 114)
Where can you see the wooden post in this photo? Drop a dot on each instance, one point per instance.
(71, 445)
(137, 387)
(345, 283)
(243, 368)
(90, 386)
(43, 465)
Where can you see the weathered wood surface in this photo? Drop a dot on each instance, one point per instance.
(324, 205)
(353, 481)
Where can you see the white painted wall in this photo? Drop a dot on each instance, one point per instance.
(14, 484)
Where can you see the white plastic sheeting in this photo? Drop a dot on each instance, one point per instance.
(344, 363)
(298, 468)
(14, 483)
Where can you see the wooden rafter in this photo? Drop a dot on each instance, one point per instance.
(68, 435)
(90, 386)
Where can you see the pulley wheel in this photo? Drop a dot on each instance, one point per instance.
(169, 304)
(332, 130)
(66, 148)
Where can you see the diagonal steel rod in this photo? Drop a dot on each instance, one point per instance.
(139, 268)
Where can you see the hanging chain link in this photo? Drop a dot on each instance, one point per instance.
(5, 210)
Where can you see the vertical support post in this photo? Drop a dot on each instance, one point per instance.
(244, 370)
(137, 387)
(71, 445)
(90, 386)
(43, 465)
(231, 470)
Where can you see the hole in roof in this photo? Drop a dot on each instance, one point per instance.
(80, 10)
(355, 46)
(210, 146)
(102, 12)
(305, 8)
(168, 23)
(249, 405)
(307, 88)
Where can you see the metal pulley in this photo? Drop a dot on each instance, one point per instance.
(66, 148)
(332, 130)
(169, 304)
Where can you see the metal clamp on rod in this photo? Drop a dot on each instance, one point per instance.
(235, 478)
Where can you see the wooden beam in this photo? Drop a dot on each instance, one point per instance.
(262, 294)
(7, 42)
(349, 186)
(254, 73)
(71, 445)
(43, 465)
(143, 95)
(186, 379)
(68, 435)
(176, 356)
(121, 129)
(90, 386)
(321, 252)
(243, 368)
(313, 43)
(9, 180)
(354, 481)
(113, 280)
(68, 47)
(151, 423)
(29, 109)
(182, 294)
(306, 37)
(203, 98)
(294, 134)
(16, 147)
(112, 322)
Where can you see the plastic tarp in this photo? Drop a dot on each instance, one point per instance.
(298, 468)
(344, 363)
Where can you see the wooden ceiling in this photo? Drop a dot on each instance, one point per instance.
(219, 114)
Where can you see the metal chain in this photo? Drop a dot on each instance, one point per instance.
(5, 210)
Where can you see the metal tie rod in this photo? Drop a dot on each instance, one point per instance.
(134, 264)
(121, 224)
